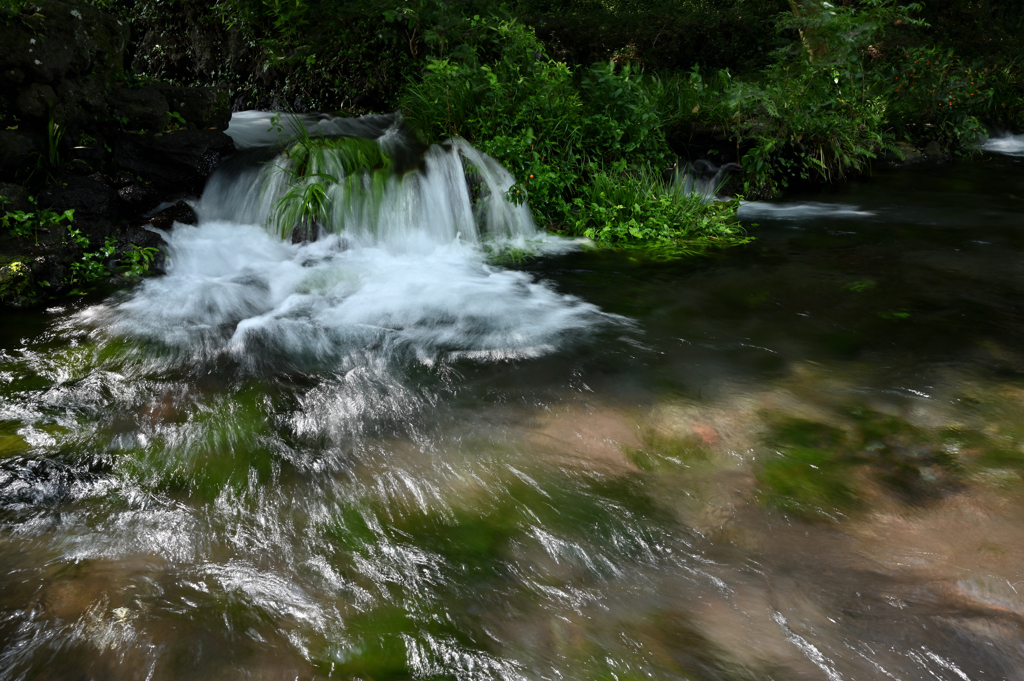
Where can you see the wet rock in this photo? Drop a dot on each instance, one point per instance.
(27, 281)
(140, 238)
(143, 108)
(180, 212)
(136, 199)
(177, 163)
(15, 283)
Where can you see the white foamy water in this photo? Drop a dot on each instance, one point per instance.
(236, 289)
(405, 277)
(1012, 145)
(800, 211)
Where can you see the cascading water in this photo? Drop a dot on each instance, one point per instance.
(397, 263)
(702, 178)
(1011, 145)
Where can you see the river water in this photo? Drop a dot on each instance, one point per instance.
(382, 455)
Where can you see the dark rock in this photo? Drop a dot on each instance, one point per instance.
(137, 199)
(51, 269)
(90, 197)
(934, 150)
(201, 107)
(36, 101)
(906, 155)
(93, 154)
(15, 197)
(61, 39)
(82, 101)
(17, 288)
(175, 163)
(122, 179)
(140, 238)
(15, 150)
(27, 281)
(15, 75)
(143, 108)
(180, 212)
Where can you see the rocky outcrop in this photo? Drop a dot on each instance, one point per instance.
(154, 107)
(16, 149)
(65, 102)
(57, 59)
(82, 137)
(177, 162)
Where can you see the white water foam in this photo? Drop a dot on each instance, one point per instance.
(236, 290)
(1011, 145)
(761, 210)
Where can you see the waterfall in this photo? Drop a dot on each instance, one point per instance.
(417, 197)
(1011, 145)
(396, 268)
(702, 178)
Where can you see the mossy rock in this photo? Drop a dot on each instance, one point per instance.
(815, 467)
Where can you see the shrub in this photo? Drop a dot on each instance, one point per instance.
(556, 128)
(636, 209)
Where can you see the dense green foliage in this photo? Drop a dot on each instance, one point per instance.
(638, 208)
(587, 143)
(577, 96)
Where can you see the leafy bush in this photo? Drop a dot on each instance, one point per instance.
(139, 259)
(935, 90)
(24, 224)
(636, 209)
(835, 99)
(91, 266)
(555, 128)
(505, 96)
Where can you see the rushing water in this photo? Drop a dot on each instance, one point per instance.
(381, 456)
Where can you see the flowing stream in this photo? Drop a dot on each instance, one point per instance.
(383, 455)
